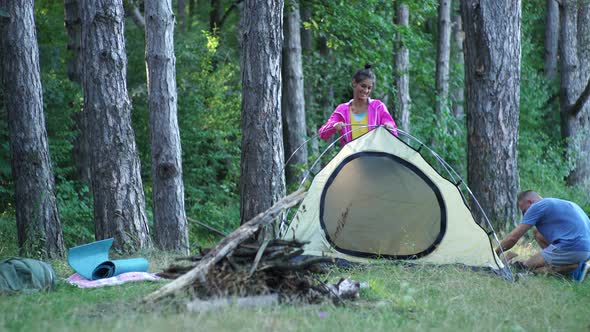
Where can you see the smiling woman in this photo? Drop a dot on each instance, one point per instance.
(361, 114)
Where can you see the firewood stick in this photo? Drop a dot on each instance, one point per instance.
(297, 266)
(259, 254)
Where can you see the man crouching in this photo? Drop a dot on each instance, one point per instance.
(562, 231)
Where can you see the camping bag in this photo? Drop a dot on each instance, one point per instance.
(25, 274)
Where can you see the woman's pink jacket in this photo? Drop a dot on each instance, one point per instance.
(377, 112)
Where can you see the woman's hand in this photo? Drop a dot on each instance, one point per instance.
(338, 125)
(389, 126)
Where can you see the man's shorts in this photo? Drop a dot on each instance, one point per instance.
(556, 256)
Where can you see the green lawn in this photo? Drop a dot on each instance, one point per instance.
(399, 297)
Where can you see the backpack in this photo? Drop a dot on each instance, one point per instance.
(26, 275)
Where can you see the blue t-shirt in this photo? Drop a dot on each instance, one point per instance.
(563, 223)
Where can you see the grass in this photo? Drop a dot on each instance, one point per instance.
(399, 297)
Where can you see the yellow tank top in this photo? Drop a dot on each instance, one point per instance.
(357, 121)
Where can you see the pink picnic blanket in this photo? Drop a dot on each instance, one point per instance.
(78, 280)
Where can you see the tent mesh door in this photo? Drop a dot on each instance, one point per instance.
(376, 204)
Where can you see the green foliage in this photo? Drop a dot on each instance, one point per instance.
(355, 33)
(209, 121)
(346, 36)
(8, 237)
(209, 105)
(541, 154)
(62, 100)
(360, 32)
(75, 207)
(137, 90)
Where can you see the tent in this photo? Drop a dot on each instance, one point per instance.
(379, 198)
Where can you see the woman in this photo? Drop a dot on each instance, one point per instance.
(360, 115)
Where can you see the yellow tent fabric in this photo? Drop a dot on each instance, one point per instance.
(378, 197)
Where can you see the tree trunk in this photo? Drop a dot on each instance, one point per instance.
(443, 54)
(119, 203)
(262, 181)
(170, 223)
(81, 149)
(402, 67)
(580, 176)
(293, 103)
(492, 80)
(37, 217)
(192, 4)
(72, 23)
(551, 38)
(215, 15)
(327, 98)
(182, 14)
(306, 34)
(575, 72)
(307, 51)
(569, 64)
(457, 94)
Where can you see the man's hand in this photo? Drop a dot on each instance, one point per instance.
(338, 125)
(511, 239)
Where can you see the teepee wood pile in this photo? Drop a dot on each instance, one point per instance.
(242, 266)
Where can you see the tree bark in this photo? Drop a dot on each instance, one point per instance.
(306, 34)
(551, 38)
(262, 181)
(119, 203)
(81, 149)
(170, 224)
(584, 43)
(457, 94)
(443, 55)
(575, 72)
(307, 50)
(402, 67)
(37, 218)
(192, 4)
(215, 15)
(293, 103)
(569, 65)
(73, 30)
(181, 8)
(492, 81)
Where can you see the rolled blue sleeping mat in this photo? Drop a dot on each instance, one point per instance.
(92, 261)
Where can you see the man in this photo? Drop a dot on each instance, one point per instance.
(562, 231)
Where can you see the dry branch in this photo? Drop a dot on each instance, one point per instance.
(208, 227)
(133, 11)
(225, 248)
(582, 99)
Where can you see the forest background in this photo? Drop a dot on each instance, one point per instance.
(341, 38)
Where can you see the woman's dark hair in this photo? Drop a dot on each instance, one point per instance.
(363, 74)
